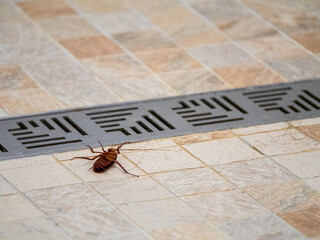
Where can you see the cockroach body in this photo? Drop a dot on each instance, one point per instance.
(105, 159)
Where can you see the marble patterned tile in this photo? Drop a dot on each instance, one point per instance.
(220, 55)
(314, 183)
(33, 228)
(254, 172)
(46, 9)
(158, 214)
(296, 69)
(306, 122)
(131, 189)
(304, 165)
(281, 142)
(285, 197)
(224, 207)
(273, 48)
(15, 207)
(90, 46)
(9, 12)
(306, 221)
(6, 188)
(193, 181)
(131, 236)
(309, 39)
(193, 81)
(102, 223)
(27, 101)
(68, 27)
(169, 159)
(5, 59)
(260, 128)
(67, 198)
(115, 67)
(82, 167)
(168, 60)
(222, 151)
(12, 77)
(122, 21)
(99, 6)
(312, 5)
(187, 139)
(263, 226)
(26, 162)
(39, 176)
(245, 75)
(144, 40)
(312, 131)
(150, 145)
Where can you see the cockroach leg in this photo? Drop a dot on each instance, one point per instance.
(91, 159)
(126, 170)
(92, 149)
(120, 146)
(101, 146)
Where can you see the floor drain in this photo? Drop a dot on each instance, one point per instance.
(157, 118)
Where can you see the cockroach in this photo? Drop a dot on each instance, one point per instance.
(105, 159)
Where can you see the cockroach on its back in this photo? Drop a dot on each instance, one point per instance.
(105, 159)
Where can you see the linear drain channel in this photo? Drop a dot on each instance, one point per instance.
(72, 129)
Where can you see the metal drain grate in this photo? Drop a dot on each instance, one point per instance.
(158, 118)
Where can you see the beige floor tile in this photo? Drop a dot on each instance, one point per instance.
(16, 207)
(173, 59)
(144, 40)
(5, 187)
(314, 183)
(34, 228)
(281, 142)
(90, 46)
(151, 145)
(222, 151)
(9, 12)
(68, 27)
(222, 207)
(67, 198)
(115, 67)
(284, 197)
(260, 128)
(26, 162)
(79, 153)
(310, 40)
(193, 181)
(274, 48)
(312, 5)
(304, 165)
(255, 172)
(102, 223)
(306, 122)
(169, 159)
(100, 6)
(82, 167)
(130, 236)
(122, 21)
(47, 9)
(187, 139)
(262, 226)
(131, 189)
(39, 176)
(193, 81)
(158, 214)
(220, 55)
(246, 75)
(306, 221)
(5, 59)
(27, 101)
(312, 131)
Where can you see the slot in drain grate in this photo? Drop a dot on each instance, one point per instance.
(157, 118)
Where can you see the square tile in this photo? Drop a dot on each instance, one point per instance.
(90, 46)
(220, 55)
(222, 151)
(131, 189)
(245, 75)
(193, 81)
(168, 60)
(46, 9)
(5, 187)
(193, 181)
(99, 6)
(254, 172)
(101, 223)
(68, 27)
(222, 207)
(281, 142)
(285, 197)
(187, 139)
(306, 221)
(304, 165)
(67, 198)
(12, 77)
(39, 176)
(144, 40)
(168, 159)
(16, 207)
(34, 228)
(309, 39)
(314, 183)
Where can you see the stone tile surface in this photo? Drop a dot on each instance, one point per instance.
(314, 183)
(5, 187)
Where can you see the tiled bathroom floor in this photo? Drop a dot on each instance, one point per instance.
(259, 182)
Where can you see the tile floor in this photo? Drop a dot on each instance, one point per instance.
(260, 182)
